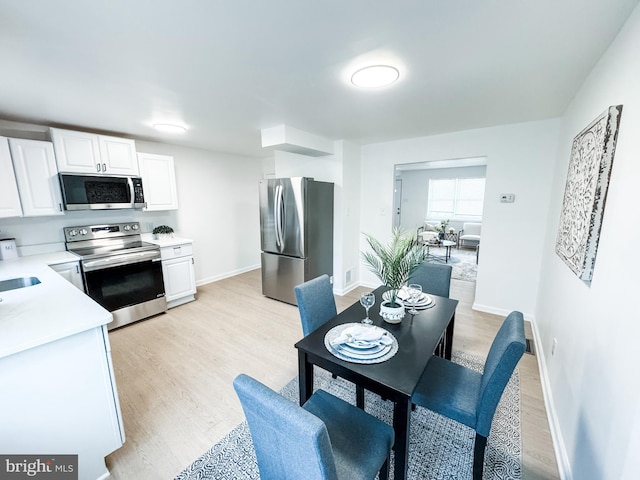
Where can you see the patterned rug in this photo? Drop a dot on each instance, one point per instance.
(463, 261)
(439, 448)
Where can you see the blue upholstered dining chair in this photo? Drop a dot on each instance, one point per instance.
(467, 396)
(317, 305)
(327, 438)
(435, 278)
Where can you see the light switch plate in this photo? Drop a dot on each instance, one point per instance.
(507, 198)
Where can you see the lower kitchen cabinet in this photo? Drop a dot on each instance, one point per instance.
(62, 397)
(178, 271)
(71, 272)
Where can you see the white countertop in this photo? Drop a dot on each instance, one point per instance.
(165, 242)
(39, 314)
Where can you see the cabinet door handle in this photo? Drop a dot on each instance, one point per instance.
(192, 261)
(77, 269)
(98, 167)
(60, 206)
(104, 167)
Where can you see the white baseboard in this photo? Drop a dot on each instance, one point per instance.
(529, 317)
(564, 466)
(215, 278)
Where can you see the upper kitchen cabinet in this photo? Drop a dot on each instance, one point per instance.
(158, 181)
(9, 197)
(37, 177)
(81, 152)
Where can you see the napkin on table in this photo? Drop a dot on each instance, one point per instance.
(363, 334)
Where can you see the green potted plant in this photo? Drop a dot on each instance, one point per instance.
(162, 231)
(393, 264)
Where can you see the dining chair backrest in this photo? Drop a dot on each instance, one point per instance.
(316, 303)
(506, 350)
(435, 278)
(290, 442)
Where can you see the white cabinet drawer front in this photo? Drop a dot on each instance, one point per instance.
(176, 251)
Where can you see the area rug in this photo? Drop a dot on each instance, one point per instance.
(439, 448)
(462, 260)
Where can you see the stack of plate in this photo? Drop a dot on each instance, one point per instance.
(424, 301)
(360, 343)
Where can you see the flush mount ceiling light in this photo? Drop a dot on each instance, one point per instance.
(375, 76)
(168, 128)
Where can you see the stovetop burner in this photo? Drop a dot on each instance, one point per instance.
(93, 241)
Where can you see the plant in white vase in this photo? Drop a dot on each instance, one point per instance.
(162, 231)
(393, 264)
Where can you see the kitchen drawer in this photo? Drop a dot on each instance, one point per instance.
(176, 251)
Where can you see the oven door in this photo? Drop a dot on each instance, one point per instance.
(123, 284)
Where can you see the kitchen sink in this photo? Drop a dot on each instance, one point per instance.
(19, 282)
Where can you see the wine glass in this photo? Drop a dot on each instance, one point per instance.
(415, 290)
(367, 300)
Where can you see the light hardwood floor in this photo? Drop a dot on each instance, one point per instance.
(174, 374)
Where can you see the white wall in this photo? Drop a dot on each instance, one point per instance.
(592, 382)
(218, 208)
(519, 160)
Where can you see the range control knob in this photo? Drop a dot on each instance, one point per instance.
(83, 231)
(73, 233)
(127, 228)
(135, 226)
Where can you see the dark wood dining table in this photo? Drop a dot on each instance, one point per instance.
(419, 337)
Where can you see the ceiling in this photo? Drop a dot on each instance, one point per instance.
(228, 68)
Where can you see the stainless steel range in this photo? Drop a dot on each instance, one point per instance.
(120, 271)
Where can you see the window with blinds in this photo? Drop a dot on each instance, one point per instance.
(455, 198)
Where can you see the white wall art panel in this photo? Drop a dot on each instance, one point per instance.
(585, 193)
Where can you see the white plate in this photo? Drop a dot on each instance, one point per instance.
(423, 301)
(345, 350)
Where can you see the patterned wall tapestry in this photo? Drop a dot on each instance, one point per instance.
(586, 192)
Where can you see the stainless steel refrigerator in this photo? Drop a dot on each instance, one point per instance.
(296, 234)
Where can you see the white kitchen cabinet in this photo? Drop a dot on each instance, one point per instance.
(71, 272)
(82, 152)
(37, 177)
(9, 197)
(178, 271)
(158, 181)
(62, 397)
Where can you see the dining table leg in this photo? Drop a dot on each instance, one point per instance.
(401, 424)
(305, 377)
(448, 343)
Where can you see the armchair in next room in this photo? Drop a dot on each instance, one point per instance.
(469, 235)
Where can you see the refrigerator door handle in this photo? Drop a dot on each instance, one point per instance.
(278, 215)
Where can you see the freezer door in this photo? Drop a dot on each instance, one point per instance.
(282, 216)
(280, 274)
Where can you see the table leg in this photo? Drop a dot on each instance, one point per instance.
(448, 343)
(401, 424)
(305, 377)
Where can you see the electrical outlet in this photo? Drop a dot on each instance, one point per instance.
(553, 346)
(507, 198)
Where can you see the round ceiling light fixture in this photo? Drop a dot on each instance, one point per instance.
(169, 128)
(375, 76)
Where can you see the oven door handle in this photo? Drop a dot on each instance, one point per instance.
(119, 260)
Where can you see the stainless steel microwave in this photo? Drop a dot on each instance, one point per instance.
(95, 192)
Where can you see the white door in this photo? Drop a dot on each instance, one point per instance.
(158, 181)
(118, 156)
(9, 197)
(76, 152)
(179, 278)
(37, 177)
